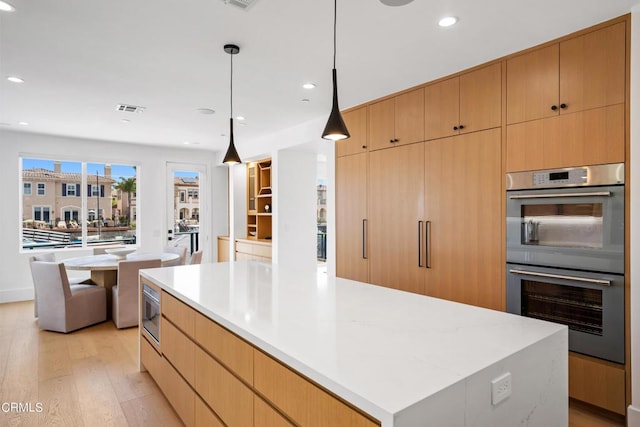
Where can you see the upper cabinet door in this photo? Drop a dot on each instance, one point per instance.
(442, 108)
(409, 117)
(532, 85)
(592, 69)
(382, 124)
(581, 73)
(356, 121)
(397, 121)
(481, 99)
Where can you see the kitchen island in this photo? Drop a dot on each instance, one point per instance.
(303, 348)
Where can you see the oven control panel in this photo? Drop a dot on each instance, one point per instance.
(575, 176)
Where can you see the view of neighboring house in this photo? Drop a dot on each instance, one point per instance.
(52, 196)
(187, 201)
(121, 208)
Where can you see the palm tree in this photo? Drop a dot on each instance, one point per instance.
(127, 185)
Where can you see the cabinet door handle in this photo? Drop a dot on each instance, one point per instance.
(455, 128)
(461, 127)
(364, 146)
(364, 239)
(392, 140)
(419, 243)
(427, 240)
(554, 107)
(563, 106)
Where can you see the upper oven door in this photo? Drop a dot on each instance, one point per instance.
(577, 227)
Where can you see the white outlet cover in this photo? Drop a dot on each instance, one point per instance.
(500, 388)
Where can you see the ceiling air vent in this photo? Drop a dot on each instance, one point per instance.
(242, 4)
(129, 108)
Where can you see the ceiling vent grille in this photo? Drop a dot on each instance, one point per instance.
(242, 4)
(129, 108)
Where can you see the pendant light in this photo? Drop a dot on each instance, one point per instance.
(232, 157)
(335, 128)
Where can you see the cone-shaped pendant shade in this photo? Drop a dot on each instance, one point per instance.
(232, 157)
(335, 128)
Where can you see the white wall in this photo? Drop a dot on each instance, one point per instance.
(15, 277)
(634, 409)
(295, 209)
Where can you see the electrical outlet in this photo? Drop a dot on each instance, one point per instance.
(500, 388)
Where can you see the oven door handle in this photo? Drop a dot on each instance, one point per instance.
(150, 296)
(561, 276)
(556, 195)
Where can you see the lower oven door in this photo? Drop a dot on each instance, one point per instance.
(590, 304)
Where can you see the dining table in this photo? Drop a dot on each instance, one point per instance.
(104, 267)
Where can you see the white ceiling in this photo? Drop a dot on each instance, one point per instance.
(80, 58)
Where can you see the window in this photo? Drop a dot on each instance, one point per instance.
(105, 202)
(69, 190)
(71, 215)
(193, 194)
(42, 213)
(183, 196)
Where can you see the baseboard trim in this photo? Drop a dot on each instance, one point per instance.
(15, 295)
(633, 416)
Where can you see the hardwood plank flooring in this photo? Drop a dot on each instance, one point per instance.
(90, 378)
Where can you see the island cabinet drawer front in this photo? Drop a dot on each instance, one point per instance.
(302, 401)
(232, 351)
(179, 349)
(178, 393)
(151, 360)
(204, 416)
(179, 313)
(223, 392)
(266, 416)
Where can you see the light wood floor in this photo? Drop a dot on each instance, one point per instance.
(90, 377)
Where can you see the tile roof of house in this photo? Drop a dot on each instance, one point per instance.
(46, 174)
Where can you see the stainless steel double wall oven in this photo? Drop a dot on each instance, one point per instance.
(565, 253)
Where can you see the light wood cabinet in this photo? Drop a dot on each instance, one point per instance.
(259, 200)
(466, 103)
(356, 122)
(207, 374)
(223, 249)
(351, 217)
(303, 401)
(253, 250)
(396, 180)
(597, 382)
(591, 137)
(578, 74)
(463, 237)
(397, 121)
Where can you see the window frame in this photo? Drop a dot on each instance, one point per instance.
(44, 189)
(76, 208)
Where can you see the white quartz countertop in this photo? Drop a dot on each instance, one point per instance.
(380, 349)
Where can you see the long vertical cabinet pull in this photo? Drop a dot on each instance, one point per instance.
(364, 238)
(427, 241)
(420, 244)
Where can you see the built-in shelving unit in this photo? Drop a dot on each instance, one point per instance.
(259, 200)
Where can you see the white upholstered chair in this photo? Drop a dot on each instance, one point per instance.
(125, 295)
(180, 250)
(62, 308)
(196, 258)
(51, 257)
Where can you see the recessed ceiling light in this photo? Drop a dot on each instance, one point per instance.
(239, 118)
(23, 123)
(6, 7)
(125, 120)
(395, 2)
(15, 79)
(309, 85)
(448, 21)
(305, 100)
(205, 111)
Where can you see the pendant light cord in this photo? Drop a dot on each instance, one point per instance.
(335, 18)
(231, 87)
